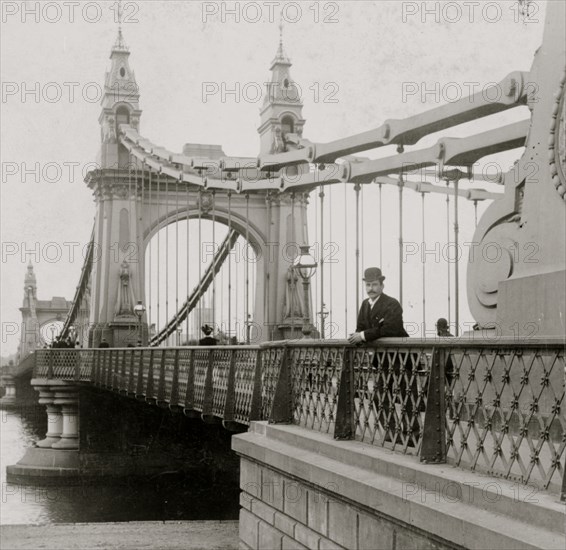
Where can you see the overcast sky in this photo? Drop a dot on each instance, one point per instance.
(358, 63)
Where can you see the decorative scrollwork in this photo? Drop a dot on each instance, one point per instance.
(557, 141)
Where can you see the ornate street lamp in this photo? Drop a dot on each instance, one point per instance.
(139, 310)
(305, 265)
(179, 332)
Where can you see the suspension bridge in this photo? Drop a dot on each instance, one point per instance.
(198, 237)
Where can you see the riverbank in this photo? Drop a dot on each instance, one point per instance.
(135, 535)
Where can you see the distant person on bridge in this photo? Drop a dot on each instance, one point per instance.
(381, 316)
(104, 344)
(442, 327)
(208, 340)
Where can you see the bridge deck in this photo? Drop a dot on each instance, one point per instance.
(502, 403)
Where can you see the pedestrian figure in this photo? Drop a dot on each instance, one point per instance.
(442, 327)
(208, 340)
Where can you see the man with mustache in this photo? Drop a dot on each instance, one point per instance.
(382, 316)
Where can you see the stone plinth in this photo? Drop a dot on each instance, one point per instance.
(302, 489)
(9, 384)
(533, 305)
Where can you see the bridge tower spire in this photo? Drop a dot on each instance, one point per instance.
(30, 334)
(120, 105)
(282, 110)
(281, 118)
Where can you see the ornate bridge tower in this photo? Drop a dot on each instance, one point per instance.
(137, 198)
(117, 272)
(41, 319)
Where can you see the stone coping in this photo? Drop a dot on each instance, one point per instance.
(465, 508)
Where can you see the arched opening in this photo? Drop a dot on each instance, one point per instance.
(177, 259)
(122, 117)
(287, 125)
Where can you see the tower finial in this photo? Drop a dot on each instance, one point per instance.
(120, 16)
(280, 51)
(120, 45)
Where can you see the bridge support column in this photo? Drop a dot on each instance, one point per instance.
(62, 403)
(68, 400)
(9, 383)
(54, 418)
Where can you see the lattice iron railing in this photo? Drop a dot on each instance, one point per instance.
(507, 417)
(496, 408)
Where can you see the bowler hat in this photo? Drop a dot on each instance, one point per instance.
(207, 329)
(372, 274)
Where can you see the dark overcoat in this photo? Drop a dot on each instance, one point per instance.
(385, 318)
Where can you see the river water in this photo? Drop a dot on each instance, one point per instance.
(158, 498)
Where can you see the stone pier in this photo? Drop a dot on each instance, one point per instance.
(303, 489)
(9, 383)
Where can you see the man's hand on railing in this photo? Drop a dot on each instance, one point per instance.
(356, 338)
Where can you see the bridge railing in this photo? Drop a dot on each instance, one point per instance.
(222, 382)
(495, 407)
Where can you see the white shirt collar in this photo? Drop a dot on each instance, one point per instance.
(372, 302)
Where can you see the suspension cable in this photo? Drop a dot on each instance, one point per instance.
(200, 258)
(177, 336)
(401, 185)
(188, 255)
(213, 262)
(423, 263)
(294, 237)
(321, 195)
(247, 270)
(150, 240)
(238, 332)
(362, 257)
(380, 229)
(315, 279)
(267, 307)
(139, 231)
(456, 267)
(229, 267)
(158, 327)
(447, 243)
(166, 253)
(345, 262)
(357, 188)
(332, 246)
